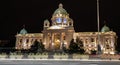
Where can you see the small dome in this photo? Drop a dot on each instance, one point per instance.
(60, 10)
(105, 29)
(23, 31)
(46, 21)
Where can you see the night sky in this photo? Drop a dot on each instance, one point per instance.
(31, 13)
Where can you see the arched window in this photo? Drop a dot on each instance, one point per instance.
(92, 39)
(27, 40)
(20, 40)
(65, 20)
(45, 24)
(59, 20)
(70, 24)
(63, 37)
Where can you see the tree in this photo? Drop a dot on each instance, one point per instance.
(64, 47)
(79, 42)
(34, 46)
(40, 47)
(76, 47)
(80, 46)
(93, 51)
(73, 47)
(37, 47)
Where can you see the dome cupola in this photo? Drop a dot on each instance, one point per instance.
(46, 23)
(60, 11)
(60, 17)
(105, 29)
(23, 31)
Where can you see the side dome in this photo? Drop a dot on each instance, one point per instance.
(105, 29)
(46, 21)
(60, 10)
(23, 31)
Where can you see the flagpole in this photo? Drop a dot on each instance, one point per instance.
(98, 26)
(98, 15)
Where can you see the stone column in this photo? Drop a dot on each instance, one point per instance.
(47, 41)
(24, 43)
(89, 40)
(112, 44)
(61, 41)
(69, 37)
(95, 41)
(84, 45)
(89, 43)
(84, 41)
(51, 41)
(29, 43)
(17, 43)
(66, 39)
(44, 39)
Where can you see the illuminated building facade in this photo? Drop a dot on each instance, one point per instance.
(61, 32)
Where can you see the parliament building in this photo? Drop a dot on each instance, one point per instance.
(62, 31)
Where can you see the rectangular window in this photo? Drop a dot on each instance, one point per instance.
(92, 39)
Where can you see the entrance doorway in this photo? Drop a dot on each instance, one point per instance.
(57, 41)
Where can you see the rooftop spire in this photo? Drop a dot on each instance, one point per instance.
(105, 23)
(60, 5)
(24, 26)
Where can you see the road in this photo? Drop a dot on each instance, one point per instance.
(56, 62)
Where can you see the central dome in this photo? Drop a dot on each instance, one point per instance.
(60, 10)
(60, 17)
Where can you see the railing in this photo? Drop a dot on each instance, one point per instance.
(60, 56)
(3, 56)
(56, 56)
(79, 56)
(38, 56)
(108, 56)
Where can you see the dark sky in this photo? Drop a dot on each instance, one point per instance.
(16, 13)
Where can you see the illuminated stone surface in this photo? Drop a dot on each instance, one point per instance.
(62, 31)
